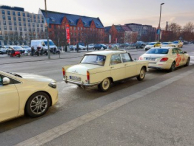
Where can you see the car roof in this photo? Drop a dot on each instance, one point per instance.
(162, 47)
(106, 52)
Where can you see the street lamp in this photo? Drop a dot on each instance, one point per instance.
(159, 22)
(47, 30)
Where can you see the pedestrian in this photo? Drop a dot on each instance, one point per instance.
(32, 51)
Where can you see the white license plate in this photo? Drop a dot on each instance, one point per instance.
(152, 59)
(75, 78)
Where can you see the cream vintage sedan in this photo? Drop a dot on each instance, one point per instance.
(104, 67)
(22, 93)
(167, 58)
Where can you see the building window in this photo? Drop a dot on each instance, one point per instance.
(37, 25)
(20, 24)
(29, 24)
(3, 11)
(78, 28)
(20, 28)
(9, 17)
(4, 22)
(10, 28)
(18, 13)
(23, 14)
(14, 18)
(13, 13)
(9, 22)
(3, 17)
(5, 27)
(74, 28)
(28, 19)
(24, 19)
(8, 12)
(15, 28)
(24, 24)
(28, 15)
(19, 18)
(15, 23)
(41, 25)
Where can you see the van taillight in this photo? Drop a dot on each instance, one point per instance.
(164, 59)
(63, 71)
(88, 76)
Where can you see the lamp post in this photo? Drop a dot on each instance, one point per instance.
(159, 22)
(47, 30)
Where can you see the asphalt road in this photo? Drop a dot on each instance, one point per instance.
(125, 115)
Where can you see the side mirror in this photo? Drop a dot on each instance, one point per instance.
(184, 52)
(134, 59)
(43, 44)
(6, 81)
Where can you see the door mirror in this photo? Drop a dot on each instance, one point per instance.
(6, 81)
(184, 52)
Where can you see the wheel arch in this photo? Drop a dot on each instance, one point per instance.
(35, 93)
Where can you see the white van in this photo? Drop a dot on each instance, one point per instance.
(42, 44)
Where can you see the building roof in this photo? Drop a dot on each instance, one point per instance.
(107, 28)
(133, 24)
(57, 17)
(119, 28)
(11, 8)
(126, 28)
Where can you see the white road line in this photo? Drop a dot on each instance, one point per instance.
(55, 132)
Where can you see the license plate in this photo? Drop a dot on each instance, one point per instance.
(152, 59)
(75, 78)
(152, 62)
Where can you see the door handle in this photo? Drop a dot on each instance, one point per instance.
(111, 67)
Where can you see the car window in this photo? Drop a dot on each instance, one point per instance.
(125, 57)
(175, 51)
(180, 51)
(94, 59)
(157, 51)
(115, 59)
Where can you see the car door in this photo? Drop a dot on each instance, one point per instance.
(117, 67)
(176, 56)
(183, 59)
(9, 105)
(130, 65)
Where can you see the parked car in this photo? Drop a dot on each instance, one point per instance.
(100, 46)
(104, 67)
(81, 47)
(22, 93)
(166, 44)
(177, 44)
(3, 50)
(27, 49)
(16, 48)
(167, 58)
(140, 44)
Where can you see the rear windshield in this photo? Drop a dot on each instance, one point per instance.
(151, 43)
(157, 51)
(17, 48)
(166, 43)
(94, 59)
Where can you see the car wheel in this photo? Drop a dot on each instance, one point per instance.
(187, 63)
(104, 85)
(37, 105)
(141, 75)
(172, 68)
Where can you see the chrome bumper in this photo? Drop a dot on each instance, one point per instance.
(82, 84)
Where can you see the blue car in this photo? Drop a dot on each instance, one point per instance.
(99, 46)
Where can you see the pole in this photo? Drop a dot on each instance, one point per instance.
(47, 31)
(160, 21)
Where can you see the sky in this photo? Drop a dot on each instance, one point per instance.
(117, 11)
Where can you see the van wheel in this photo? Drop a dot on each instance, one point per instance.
(104, 85)
(141, 75)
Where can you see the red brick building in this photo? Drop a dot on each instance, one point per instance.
(74, 28)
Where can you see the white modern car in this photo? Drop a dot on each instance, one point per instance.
(22, 93)
(149, 46)
(166, 58)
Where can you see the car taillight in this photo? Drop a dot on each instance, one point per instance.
(164, 59)
(63, 71)
(140, 58)
(88, 76)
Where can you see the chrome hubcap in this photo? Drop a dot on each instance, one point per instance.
(39, 104)
(106, 84)
(142, 74)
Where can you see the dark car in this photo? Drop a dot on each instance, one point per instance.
(16, 48)
(140, 44)
(100, 46)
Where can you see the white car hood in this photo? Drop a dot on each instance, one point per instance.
(81, 68)
(35, 77)
(149, 46)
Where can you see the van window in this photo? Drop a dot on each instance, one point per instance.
(50, 43)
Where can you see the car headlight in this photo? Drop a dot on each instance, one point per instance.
(53, 85)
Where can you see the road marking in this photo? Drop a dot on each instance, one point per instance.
(55, 132)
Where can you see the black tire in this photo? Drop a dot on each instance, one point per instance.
(19, 55)
(173, 66)
(141, 75)
(37, 105)
(187, 63)
(104, 85)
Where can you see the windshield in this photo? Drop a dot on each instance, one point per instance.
(94, 59)
(50, 43)
(17, 75)
(165, 43)
(17, 48)
(151, 43)
(157, 51)
(176, 42)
